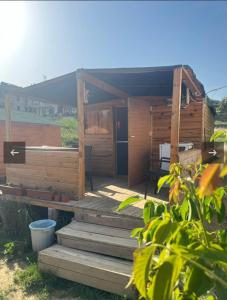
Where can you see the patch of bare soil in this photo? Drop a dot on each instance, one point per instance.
(8, 289)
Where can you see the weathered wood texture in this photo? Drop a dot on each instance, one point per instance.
(190, 126)
(47, 169)
(98, 238)
(99, 133)
(208, 126)
(32, 135)
(138, 139)
(99, 271)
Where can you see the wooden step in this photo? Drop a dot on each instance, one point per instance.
(97, 238)
(107, 219)
(95, 270)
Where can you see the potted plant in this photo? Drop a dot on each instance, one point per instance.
(47, 195)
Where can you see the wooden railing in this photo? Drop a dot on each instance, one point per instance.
(47, 168)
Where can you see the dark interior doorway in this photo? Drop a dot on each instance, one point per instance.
(121, 125)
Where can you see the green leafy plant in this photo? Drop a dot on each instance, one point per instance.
(69, 131)
(178, 257)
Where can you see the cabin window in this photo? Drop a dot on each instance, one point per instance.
(98, 122)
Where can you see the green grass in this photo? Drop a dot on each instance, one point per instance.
(44, 285)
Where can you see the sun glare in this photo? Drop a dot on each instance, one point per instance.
(12, 27)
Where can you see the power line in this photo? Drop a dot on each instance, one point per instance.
(217, 89)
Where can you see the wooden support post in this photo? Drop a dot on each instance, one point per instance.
(8, 126)
(80, 115)
(175, 117)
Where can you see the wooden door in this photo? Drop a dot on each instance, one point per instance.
(138, 139)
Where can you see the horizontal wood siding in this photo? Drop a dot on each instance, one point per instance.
(190, 125)
(47, 169)
(32, 134)
(208, 123)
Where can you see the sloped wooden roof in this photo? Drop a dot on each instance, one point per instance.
(147, 81)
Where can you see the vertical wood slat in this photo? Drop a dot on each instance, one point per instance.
(80, 115)
(8, 117)
(175, 117)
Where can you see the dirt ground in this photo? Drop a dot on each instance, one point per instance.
(8, 289)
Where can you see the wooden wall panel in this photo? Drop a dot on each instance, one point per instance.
(190, 125)
(47, 169)
(139, 140)
(208, 119)
(32, 134)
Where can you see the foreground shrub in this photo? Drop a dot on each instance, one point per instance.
(178, 257)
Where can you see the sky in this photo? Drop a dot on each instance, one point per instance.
(42, 40)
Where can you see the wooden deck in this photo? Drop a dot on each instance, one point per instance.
(106, 197)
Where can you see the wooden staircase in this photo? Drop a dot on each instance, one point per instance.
(93, 254)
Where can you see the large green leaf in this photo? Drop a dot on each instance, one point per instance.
(197, 282)
(162, 231)
(163, 180)
(141, 269)
(165, 279)
(148, 211)
(159, 209)
(150, 229)
(220, 135)
(136, 231)
(184, 209)
(129, 201)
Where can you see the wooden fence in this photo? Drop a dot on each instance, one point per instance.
(47, 168)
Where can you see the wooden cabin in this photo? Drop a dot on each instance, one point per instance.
(128, 116)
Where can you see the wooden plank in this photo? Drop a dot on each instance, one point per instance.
(110, 274)
(81, 133)
(116, 221)
(106, 230)
(102, 237)
(97, 238)
(175, 118)
(190, 82)
(94, 282)
(103, 85)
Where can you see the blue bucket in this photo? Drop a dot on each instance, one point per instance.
(42, 224)
(42, 234)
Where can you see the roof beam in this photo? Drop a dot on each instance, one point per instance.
(190, 82)
(103, 85)
(175, 117)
